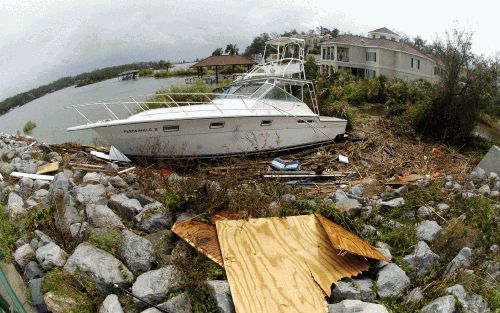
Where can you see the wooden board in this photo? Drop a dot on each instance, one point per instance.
(282, 265)
(200, 235)
(48, 168)
(32, 176)
(344, 240)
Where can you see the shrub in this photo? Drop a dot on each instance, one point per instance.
(355, 92)
(339, 109)
(28, 127)
(376, 89)
(419, 90)
(162, 101)
(397, 91)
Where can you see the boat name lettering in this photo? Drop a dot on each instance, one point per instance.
(139, 130)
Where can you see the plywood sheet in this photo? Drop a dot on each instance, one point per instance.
(200, 235)
(344, 240)
(48, 168)
(278, 265)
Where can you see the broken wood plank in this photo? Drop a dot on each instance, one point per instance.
(405, 180)
(344, 240)
(48, 168)
(126, 170)
(32, 176)
(278, 265)
(100, 155)
(201, 236)
(93, 169)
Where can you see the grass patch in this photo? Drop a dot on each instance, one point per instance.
(79, 288)
(13, 229)
(106, 239)
(8, 234)
(197, 269)
(28, 127)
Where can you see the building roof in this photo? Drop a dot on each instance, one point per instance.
(379, 43)
(222, 60)
(384, 30)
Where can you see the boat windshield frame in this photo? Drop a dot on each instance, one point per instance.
(263, 90)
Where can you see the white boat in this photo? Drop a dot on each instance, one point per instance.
(262, 111)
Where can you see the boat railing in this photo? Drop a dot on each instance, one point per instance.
(122, 108)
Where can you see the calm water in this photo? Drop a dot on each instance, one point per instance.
(52, 118)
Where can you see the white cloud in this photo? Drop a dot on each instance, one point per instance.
(41, 41)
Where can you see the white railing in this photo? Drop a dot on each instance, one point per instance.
(136, 104)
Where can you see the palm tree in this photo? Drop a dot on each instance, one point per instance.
(231, 49)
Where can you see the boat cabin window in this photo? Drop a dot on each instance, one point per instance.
(277, 93)
(217, 125)
(266, 123)
(170, 128)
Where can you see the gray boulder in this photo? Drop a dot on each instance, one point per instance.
(414, 296)
(428, 230)
(421, 260)
(101, 216)
(99, 265)
(24, 254)
(288, 197)
(350, 306)
(153, 286)
(117, 182)
(62, 182)
(136, 252)
(95, 178)
(43, 238)
(461, 261)
(219, 290)
(89, 192)
(50, 256)
(79, 230)
(178, 304)
(350, 206)
(424, 211)
(444, 304)
(394, 203)
(15, 205)
(25, 187)
(476, 304)
(391, 281)
(153, 217)
(111, 305)
(443, 207)
(127, 207)
(357, 191)
(354, 289)
(477, 175)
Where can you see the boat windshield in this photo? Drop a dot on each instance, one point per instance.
(258, 91)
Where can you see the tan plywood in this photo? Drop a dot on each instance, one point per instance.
(278, 265)
(200, 235)
(344, 240)
(48, 168)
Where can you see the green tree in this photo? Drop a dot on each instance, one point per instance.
(231, 49)
(311, 68)
(468, 85)
(217, 51)
(257, 46)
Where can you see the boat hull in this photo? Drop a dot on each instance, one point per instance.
(205, 137)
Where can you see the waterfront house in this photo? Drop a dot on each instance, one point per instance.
(380, 53)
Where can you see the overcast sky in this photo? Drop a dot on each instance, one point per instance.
(41, 41)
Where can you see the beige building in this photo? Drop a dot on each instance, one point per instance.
(381, 53)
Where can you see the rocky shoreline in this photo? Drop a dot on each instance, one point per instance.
(103, 236)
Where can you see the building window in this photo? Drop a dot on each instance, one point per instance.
(382, 37)
(437, 70)
(371, 56)
(324, 54)
(393, 39)
(370, 73)
(373, 36)
(415, 63)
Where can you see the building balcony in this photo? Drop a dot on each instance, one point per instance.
(342, 58)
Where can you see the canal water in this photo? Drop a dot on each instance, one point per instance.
(52, 119)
